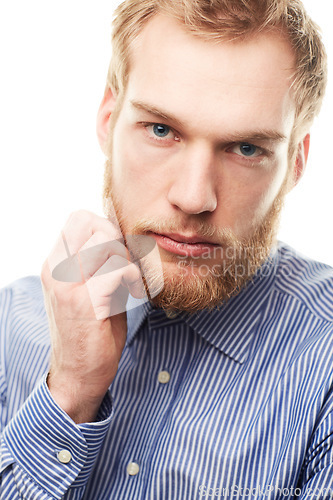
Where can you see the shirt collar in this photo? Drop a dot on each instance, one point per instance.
(231, 327)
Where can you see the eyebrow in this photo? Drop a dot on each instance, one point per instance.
(142, 106)
(244, 136)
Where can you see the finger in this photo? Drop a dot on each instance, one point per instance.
(109, 288)
(96, 251)
(78, 229)
(82, 224)
(129, 276)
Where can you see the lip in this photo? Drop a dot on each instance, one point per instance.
(186, 246)
(186, 239)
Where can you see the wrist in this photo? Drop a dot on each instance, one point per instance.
(73, 401)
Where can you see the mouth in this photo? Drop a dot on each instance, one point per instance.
(185, 246)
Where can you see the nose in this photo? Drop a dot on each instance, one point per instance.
(193, 181)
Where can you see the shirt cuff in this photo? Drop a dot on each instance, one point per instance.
(41, 430)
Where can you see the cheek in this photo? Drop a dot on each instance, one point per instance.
(276, 181)
(128, 164)
(136, 166)
(251, 196)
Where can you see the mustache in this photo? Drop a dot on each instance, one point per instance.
(223, 236)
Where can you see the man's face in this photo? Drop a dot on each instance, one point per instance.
(199, 155)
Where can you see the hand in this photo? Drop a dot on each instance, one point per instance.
(87, 319)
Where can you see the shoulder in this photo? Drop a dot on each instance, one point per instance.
(306, 280)
(22, 303)
(24, 335)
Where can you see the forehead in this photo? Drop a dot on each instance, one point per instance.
(212, 81)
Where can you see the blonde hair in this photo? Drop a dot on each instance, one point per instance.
(232, 20)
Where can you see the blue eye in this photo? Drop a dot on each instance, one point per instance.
(161, 130)
(161, 134)
(248, 149)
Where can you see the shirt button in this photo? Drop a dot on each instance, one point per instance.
(64, 456)
(163, 377)
(132, 468)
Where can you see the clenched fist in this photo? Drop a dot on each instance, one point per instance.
(86, 281)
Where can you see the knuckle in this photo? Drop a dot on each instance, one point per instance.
(111, 229)
(134, 269)
(80, 215)
(101, 237)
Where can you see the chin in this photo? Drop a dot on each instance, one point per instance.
(196, 285)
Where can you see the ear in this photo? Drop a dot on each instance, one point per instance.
(301, 159)
(103, 117)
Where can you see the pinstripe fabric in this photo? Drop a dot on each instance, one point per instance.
(247, 413)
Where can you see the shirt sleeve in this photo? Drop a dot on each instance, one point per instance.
(44, 454)
(316, 480)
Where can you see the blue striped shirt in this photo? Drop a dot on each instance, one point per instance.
(232, 403)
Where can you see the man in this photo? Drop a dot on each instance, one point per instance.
(221, 384)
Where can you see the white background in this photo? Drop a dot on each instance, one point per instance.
(54, 58)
